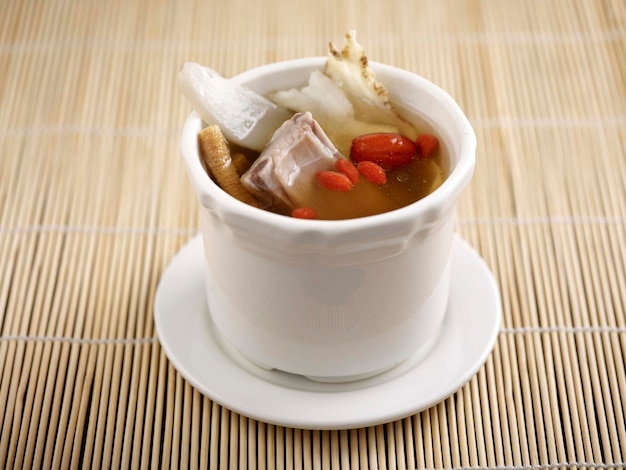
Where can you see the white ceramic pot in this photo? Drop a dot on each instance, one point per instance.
(334, 300)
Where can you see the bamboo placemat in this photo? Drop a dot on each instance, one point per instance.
(94, 203)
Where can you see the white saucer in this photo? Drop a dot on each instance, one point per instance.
(203, 358)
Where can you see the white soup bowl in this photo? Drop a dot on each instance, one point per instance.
(333, 300)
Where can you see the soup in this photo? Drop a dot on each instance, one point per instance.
(334, 148)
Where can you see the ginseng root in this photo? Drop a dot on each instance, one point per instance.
(241, 163)
(214, 150)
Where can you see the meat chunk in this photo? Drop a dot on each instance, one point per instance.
(285, 170)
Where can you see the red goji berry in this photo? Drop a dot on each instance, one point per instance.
(427, 144)
(372, 172)
(304, 213)
(387, 149)
(334, 180)
(345, 166)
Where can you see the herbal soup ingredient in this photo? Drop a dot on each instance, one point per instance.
(372, 172)
(345, 166)
(350, 71)
(240, 162)
(334, 180)
(244, 116)
(304, 213)
(386, 149)
(214, 150)
(346, 99)
(427, 144)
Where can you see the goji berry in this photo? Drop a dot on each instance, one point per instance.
(304, 213)
(334, 180)
(427, 144)
(389, 150)
(345, 166)
(372, 172)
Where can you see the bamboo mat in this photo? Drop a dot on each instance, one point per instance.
(94, 204)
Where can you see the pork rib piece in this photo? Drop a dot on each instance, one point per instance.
(284, 172)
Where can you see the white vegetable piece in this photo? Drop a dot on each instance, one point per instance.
(244, 117)
(330, 108)
(349, 69)
(346, 99)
